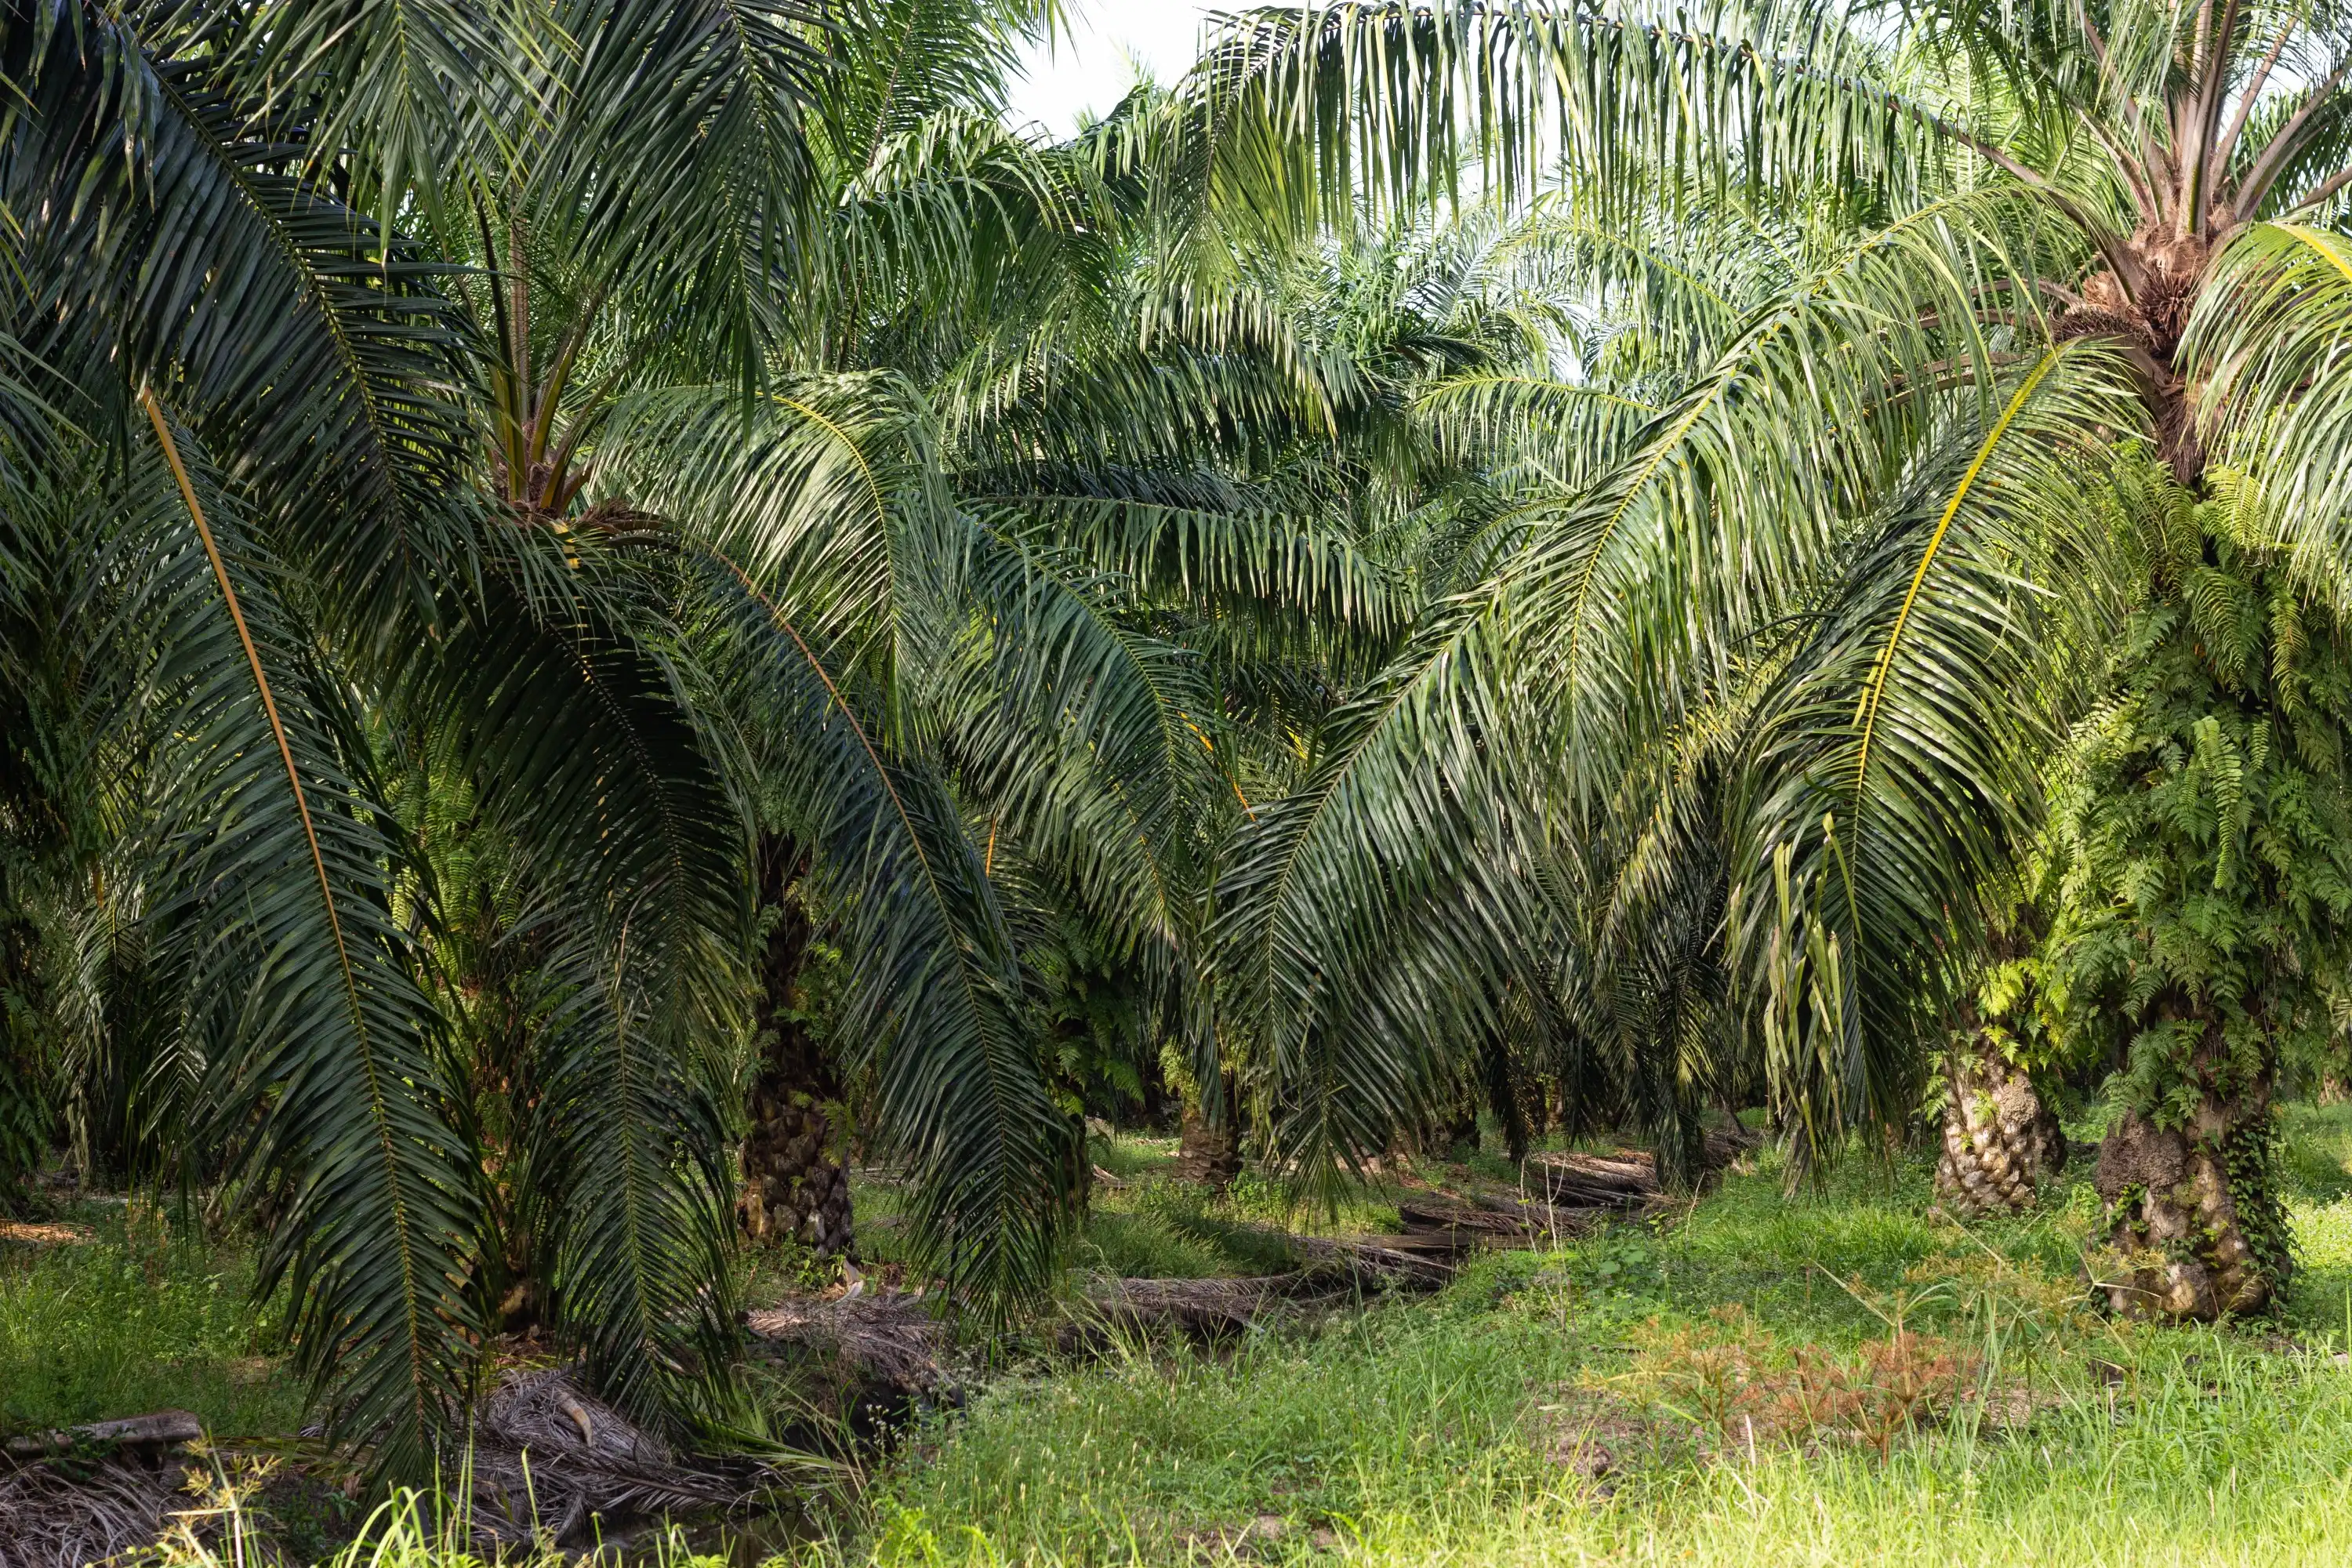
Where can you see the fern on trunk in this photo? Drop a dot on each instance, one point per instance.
(2207, 831)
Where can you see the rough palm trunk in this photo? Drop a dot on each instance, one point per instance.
(795, 1184)
(2195, 1227)
(1208, 1155)
(24, 1118)
(2193, 1215)
(2000, 1140)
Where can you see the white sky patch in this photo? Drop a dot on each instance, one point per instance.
(1090, 72)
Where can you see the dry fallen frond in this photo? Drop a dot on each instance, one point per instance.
(65, 1514)
(25, 1233)
(892, 1337)
(550, 1459)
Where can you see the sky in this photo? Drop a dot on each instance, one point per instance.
(1091, 73)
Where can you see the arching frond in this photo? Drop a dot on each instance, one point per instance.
(285, 328)
(1322, 887)
(1642, 593)
(829, 492)
(1313, 104)
(1895, 769)
(579, 742)
(933, 1003)
(2267, 350)
(275, 889)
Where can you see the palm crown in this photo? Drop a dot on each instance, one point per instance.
(1769, 684)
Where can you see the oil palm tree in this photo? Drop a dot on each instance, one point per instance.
(382, 672)
(242, 394)
(1084, 504)
(2055, 232)
(745, 432)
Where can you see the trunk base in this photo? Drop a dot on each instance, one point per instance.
(2000, 1140)
(2194, 1222)
(1207, 1156)
(793, 1185)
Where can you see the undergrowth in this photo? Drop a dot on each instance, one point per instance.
(122, 1309)
(1836, 1377)
(224, 1527)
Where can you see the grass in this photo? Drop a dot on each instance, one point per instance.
(410, 1529)
(1463, 1430)
(1154, 1228)
(139, 1316)
(1736, 1385)
(1202, 1235)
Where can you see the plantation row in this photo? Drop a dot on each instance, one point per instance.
(611, 609)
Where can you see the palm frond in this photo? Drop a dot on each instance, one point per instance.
(275, 882)
(933, 1010)
(1896, 763)
(1622, 591)
(1324, 889)
(402, 92)
(285, 327)
(2266, 353)
(1313, 104)
(688, 122)
(579, 739)
(828, 492)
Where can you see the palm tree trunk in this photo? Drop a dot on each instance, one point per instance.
(1207, 1155)
(795, 1183)
(1999, 1141)
(24, 1115)
(2195, 1225)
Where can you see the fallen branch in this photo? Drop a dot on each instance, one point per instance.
(1722, 1145)
(1210, 1309)
(1545, 1219)
(1484, 1216)
(892, 1337)
(1203, 1307)
(162, 1429)
(1380, 1259)
(1626, 1181)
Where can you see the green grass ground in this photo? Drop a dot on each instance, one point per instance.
(138, 1316)
(1734, 1385)
(1151, 1226)
(1698, 1354)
